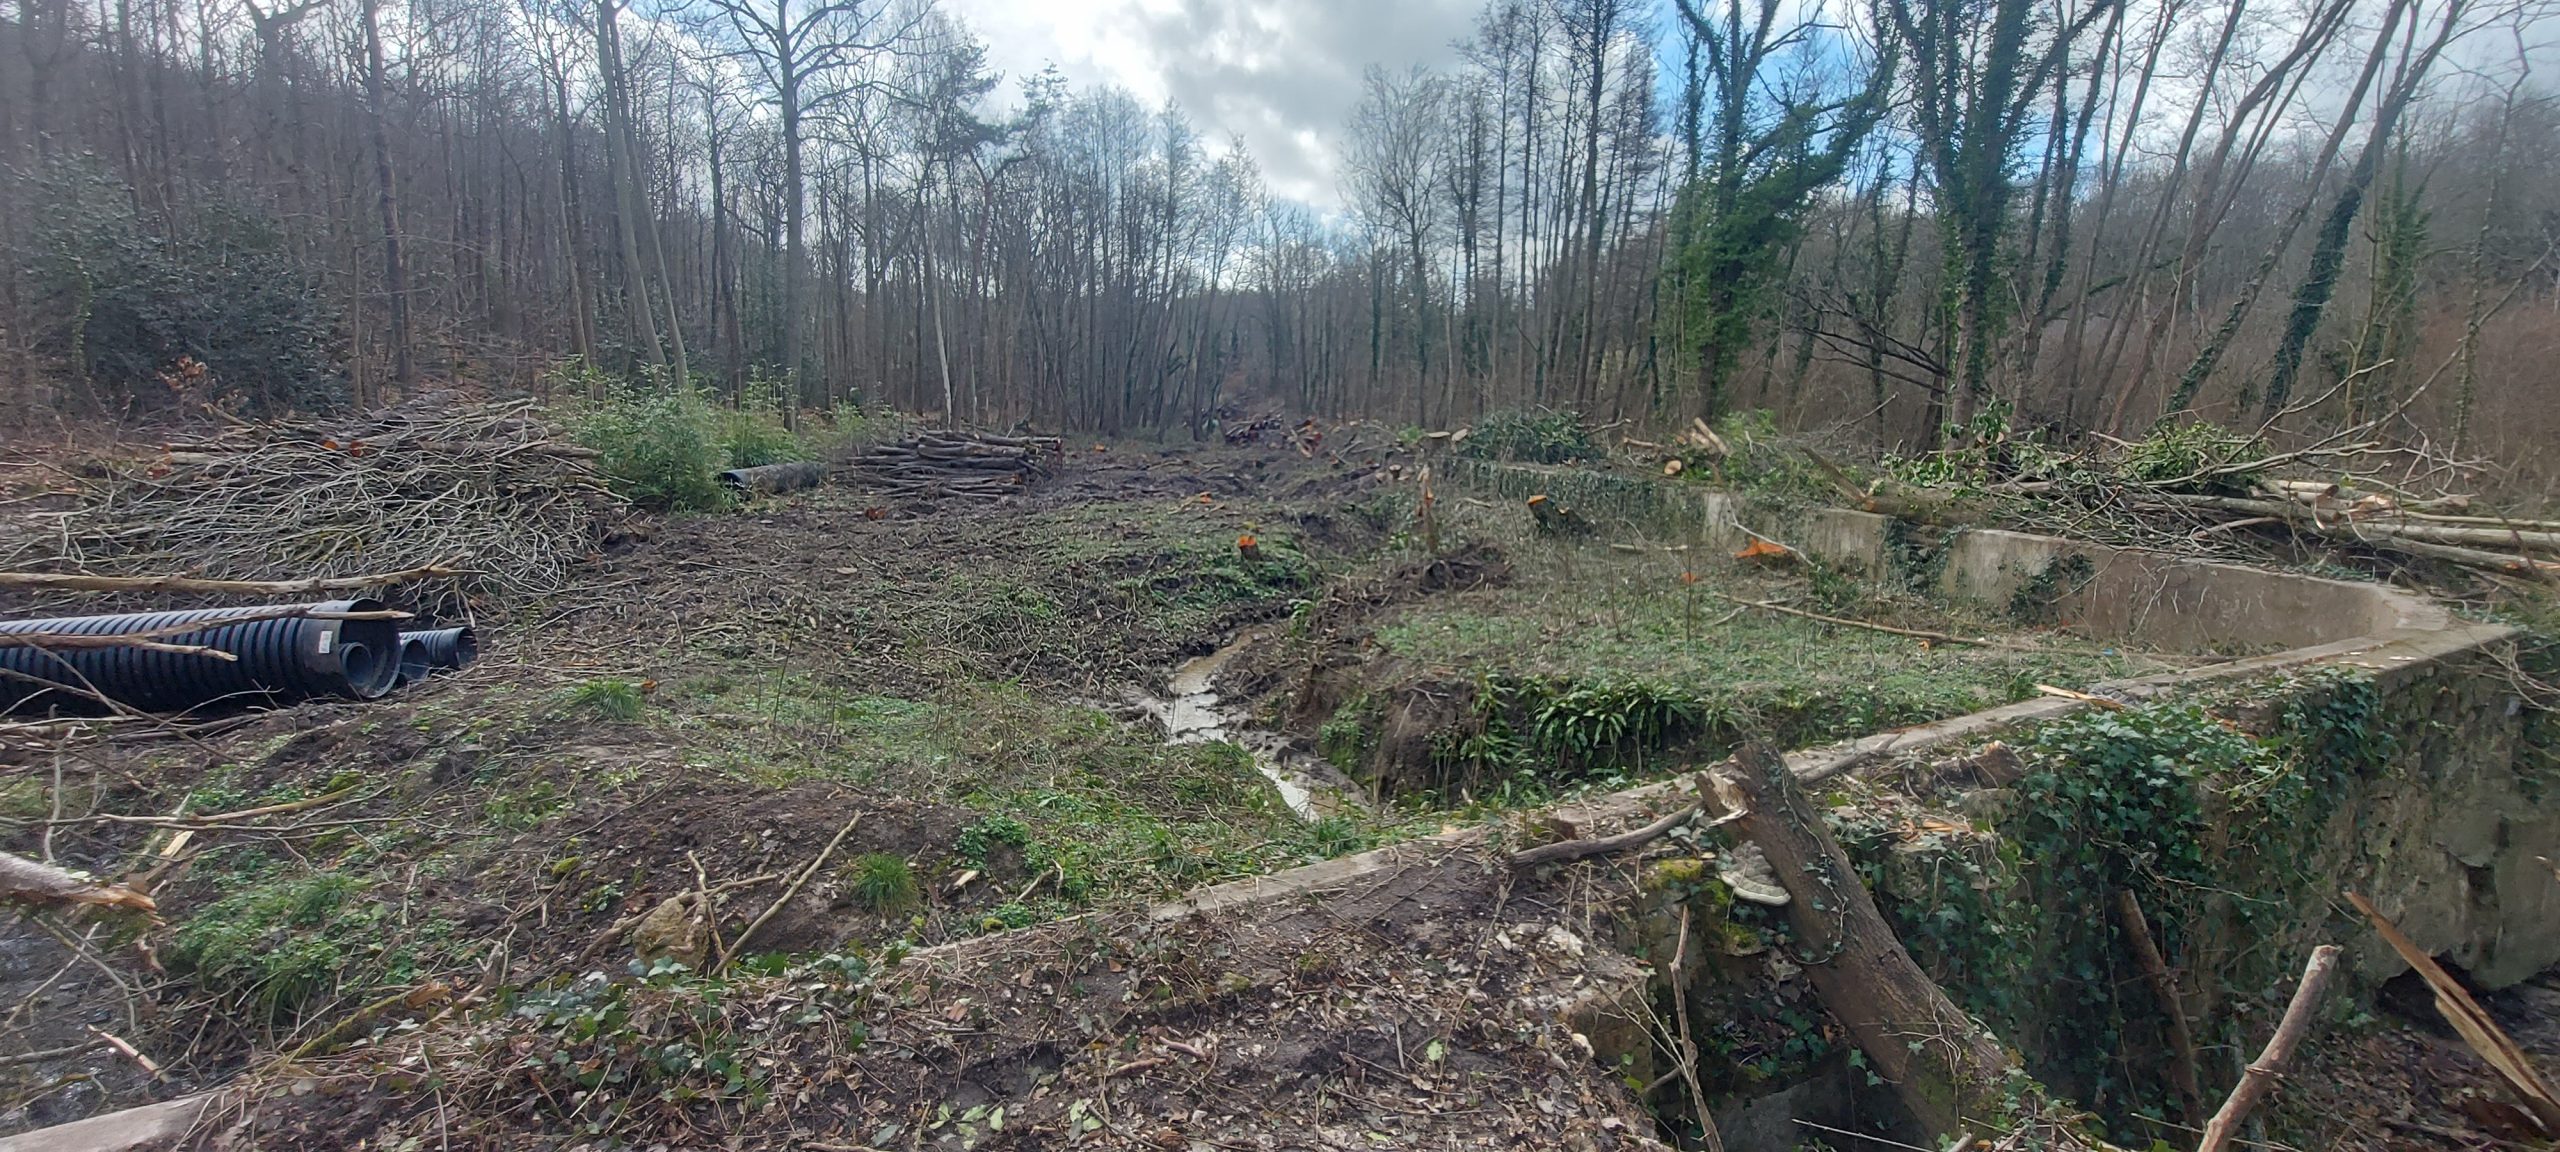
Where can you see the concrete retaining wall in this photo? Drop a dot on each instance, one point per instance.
(2451, 842)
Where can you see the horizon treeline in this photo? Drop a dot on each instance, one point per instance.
(1902, 219)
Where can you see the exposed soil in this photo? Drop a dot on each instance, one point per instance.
(1433, 1006)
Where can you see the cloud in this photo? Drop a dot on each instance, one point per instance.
(1282, 75)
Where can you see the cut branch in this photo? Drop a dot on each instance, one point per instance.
(2262, 1072)
(2479, 1031)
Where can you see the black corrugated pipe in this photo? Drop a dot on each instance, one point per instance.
(436, 650)
(771, 478)
(278, 659)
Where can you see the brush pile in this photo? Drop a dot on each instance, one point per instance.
(491, 489)
(976, 465)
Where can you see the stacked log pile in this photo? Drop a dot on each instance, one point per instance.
(974, 465)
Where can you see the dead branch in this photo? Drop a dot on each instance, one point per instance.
(222, 818)
(788, 892)
(73, 582)
(2270, 1063)
(1568, 850)
(2484, 1036)
(349, 501)
(2164, 988)
(28, 882)
(1916, 633)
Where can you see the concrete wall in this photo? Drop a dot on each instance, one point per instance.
(2451, 842)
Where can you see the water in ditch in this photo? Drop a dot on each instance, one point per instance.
(1193, 712)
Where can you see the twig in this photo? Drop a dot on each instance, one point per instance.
(2270, 1063)
(788, 892)
(1917, 633)
(51, 1054)
(223, 817)
(131, 1053)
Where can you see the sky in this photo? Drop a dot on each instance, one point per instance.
(1282, 75)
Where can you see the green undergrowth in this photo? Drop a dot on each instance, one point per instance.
(662, 446)
(288, 937)
(2215, 814)
(1092, 808)
(1592, 661)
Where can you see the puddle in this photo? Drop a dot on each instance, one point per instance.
(1196, 715)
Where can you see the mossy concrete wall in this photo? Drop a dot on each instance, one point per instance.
(2452, 839)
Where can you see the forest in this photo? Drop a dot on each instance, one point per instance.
(1900, 221)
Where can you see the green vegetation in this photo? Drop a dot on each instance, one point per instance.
(2179, 454)
(661, 449)
(753, 434)
(1622, 654)
(1531, 437)
(883, 882)
(619, 700)
(1069, 806)
(665, 446)
(280, 943)
(2215, 830)
(212, 305)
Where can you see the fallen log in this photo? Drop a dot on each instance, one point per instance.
(24, 881)
(1944, 1067)
(2393, 538)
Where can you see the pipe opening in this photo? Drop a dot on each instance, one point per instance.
(363, 670)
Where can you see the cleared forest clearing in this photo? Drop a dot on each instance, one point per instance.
(839, 818)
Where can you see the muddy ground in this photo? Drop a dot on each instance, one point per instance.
(479, 922)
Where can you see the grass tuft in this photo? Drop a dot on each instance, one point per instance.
(883, 882)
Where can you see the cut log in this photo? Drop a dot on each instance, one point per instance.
(2412, 540)
(24, 881)
(1945, 1067)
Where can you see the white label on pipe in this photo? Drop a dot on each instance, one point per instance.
(328, 636)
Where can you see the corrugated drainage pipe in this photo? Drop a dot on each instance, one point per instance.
(278, 659)
(436, 650)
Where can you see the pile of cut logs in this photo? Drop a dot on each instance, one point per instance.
(953, 463)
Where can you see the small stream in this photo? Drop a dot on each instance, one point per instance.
(1195, 714)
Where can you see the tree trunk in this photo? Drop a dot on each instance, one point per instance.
(627, 198)
(394, 283)
(1945, 1067)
